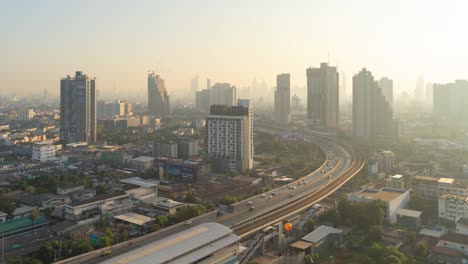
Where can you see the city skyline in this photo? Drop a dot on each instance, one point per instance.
(165, 38)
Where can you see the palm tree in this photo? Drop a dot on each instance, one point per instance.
(33, 214)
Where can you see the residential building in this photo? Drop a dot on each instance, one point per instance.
(208, 243)
(458, 242)
(410, 219)
(449, 100)
(296, 103)
(165, 149)
(218, 94)
(142, 163)
(229, 137)
(385, 159)
(322, 237)
(396, 181)
(158, 98)
(323, 96)
(372, 109)
(78, 109)
(117, 108)
(26, 114)
(43, 151)
(187, 148)
(282, 99)
(393, 199)
(426, 187)
(452, 206)
(90, 211)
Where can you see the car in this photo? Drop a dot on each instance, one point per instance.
(219, 213)
(306, 182)
(273, 194)
(291, 194)
(105, 252)
(251, 208)
(263, 195)
(270, 196)
(249, 202)
(188, 222)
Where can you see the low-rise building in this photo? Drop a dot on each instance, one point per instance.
(322, 237)
(410, 219)
(90, 210)
(454, 241)
(394, 199)
(166, 149)
(426, 187)
(385, 159)
(142, 163)
(462, 226)
(43, 151)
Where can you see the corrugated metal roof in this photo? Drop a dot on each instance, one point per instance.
(320, 233)
(184, 247)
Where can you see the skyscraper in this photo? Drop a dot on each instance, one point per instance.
(449, 100)
(282, 99)
(323, 96)
(372, 113)
(158, 99)
(78, 109)
(343, 89)
(386, 85)
(219, 94)
(229, 137)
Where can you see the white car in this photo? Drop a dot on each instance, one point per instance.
(188, 222)
(249, 202)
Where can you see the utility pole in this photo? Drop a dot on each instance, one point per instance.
(3, 247)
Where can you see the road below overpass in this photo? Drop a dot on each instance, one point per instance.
(250, 215)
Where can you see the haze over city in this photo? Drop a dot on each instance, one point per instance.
(227, 41)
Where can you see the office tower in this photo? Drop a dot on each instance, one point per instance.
(208, 83)
(343, 93)
(296, 102)
(193, 87)
(449, 100)
(220, 94)
(386, 85)
(229, 137)
(429, 93)
(282, 99)
(158, 99)
(372, 113)
(419, 91)
(78, 109)
(323, 96)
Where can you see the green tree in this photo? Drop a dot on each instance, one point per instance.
(190, 197)
(80, 247)
(374, 235)
(33, 214)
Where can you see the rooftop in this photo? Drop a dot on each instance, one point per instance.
(462, 221)
(134, 218)
(140, 182)
(427, 178)
(320, 233)
(409, 213)
(456, 238)
(187, 246)
(144, 159)
(98, 198)
(384, 194)
(397, 177)
(446, 181)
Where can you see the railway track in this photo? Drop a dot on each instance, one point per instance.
(251, 226)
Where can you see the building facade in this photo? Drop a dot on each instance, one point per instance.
(229, 137)
(78, 109)
(385, 160)
(449, 100)
(323, 96)
(218, 94)
(158, 98)
(282, 99)
(166, 149)
(43, 152)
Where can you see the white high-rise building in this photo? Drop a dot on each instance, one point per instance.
(229, 137)
(386, 85)
(282, 99)
(43, 151)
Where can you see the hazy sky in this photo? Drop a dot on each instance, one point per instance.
(230, 41)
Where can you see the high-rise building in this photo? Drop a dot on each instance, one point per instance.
(282, 99)
(158, 99)
(220, 94)
(296, 102)
(229, 137)
(323, 96)
(26, 114)
(429, 93)
(117, 108)
(372, 113)
(449, 100)
(78, 109)
(386, 85)
(343, 88)
(419, 91)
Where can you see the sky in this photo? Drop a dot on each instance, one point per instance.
(118, 42)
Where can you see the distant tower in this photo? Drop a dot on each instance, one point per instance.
(208, 83)
(419, 91)
(78, 109)
(387, 90)
(44, 97)
(282, 99)
(158, 99)
(343, 92)
(323, 96)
